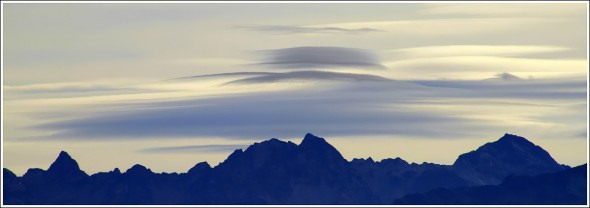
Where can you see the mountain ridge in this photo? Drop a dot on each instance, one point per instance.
(279, 172)
(558, 188)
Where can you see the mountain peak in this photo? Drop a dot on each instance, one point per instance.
(311, 139)
(137, 168)
(199, 168)
(509, 154)
(64, 157)
(515, 141)
(513, 138)
(64, 154)
(65, 166)
(318, 148)
(117, 171)
(271, 143)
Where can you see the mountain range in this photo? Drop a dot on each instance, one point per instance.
(511, 170)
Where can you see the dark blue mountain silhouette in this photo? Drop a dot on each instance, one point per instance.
(560, 188)
(278, 172)
(511, 154)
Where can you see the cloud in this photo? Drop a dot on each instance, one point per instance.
(452, 26)
(64, 87)
(320, 57)
(74, 89)
(351, 111)
(208, 62)
(542, 10)
(422, 109)
(309, 76)
(230, 74)
(195, 148)
(65, 55)
(553, 89)
(474, 50)
(480, 67)
(506, 77)
(285, 29)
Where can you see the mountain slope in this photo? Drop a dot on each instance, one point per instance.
(511, 154)
(277, 172)
(560, 188)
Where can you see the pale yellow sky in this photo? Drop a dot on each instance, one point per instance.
(95, 80)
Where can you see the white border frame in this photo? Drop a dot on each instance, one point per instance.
(280, 2)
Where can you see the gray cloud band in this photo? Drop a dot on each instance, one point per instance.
(347, 108)
(286, 29)
(320, 57)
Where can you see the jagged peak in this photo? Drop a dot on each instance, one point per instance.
(34, 172)
(199, 167)
(137, 168)
(318, 147)
(117, 171)
(507, 138)
(369, 160)
(513, 138)
(64, 164)
(64, 156)
(311, 139)
(271, 144)
(203, 165)
(506, 141)
(510, 147)
(271, 141)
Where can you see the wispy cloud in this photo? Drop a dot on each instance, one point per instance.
(320, 57)
(481, 67)
(506, 77)
(543, 10)
(229, 74)
(64, 87)
(555, 89)
(74, 89)
(348, 108)
(473, 50)
(308, 76)
(451, 26)
(286, 29)
(261, 115)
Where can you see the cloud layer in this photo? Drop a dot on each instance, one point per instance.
(320, 57)
(286, 29)
(309, 76)
(386, 107)
(474, 50)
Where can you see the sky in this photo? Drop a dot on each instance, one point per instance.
(168, 85)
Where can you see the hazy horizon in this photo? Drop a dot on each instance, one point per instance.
(171, 85)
